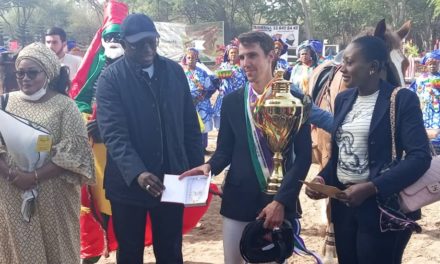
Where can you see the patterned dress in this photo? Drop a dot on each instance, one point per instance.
(201, 88)
(52, 235)
(427, 87)
(282, 64)
(300, 76)
(227, 86)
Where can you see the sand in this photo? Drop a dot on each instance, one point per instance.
(203, 244)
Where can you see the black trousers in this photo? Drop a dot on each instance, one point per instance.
(358, 237)
(129, 226)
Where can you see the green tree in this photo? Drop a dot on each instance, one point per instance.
(17, 14)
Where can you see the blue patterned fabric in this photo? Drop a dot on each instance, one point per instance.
(427, 88)
(227, 86)
(435, 54)
(201, 88)
(282, 64)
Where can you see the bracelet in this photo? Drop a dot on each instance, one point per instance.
(36, 177)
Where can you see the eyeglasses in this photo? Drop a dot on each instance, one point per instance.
(112, 36)
(31, 74)
(141, 44)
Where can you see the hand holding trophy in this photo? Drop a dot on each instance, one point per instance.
(279, 115)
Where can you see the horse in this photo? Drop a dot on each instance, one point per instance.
(326, 83)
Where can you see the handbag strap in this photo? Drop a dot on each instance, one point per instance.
(393, 121)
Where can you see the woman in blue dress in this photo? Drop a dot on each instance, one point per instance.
(427, 87)
(280, 49)
(201, 87)
(228, 83)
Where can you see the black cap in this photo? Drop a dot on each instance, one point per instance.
(138, 26)
(254, 247)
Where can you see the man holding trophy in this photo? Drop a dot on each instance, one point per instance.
(266, 139)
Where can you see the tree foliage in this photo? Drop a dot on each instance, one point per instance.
(336, 20)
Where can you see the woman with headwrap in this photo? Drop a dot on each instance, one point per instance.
(201, 87)
(427, 87)
(228, 83)
(43, 227)
(280, 48)
(301, 71)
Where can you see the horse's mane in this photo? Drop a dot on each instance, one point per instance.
(392, 40)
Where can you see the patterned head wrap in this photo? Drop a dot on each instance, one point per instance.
(433, 55)
(43, 56)
(307, 44)
(317, 45)
(283, 44)
(187, 51)
(227, 49)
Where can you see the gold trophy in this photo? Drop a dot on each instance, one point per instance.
(280, 116)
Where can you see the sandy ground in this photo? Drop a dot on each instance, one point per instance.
(203, 244)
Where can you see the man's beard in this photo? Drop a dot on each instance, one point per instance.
(112, 50)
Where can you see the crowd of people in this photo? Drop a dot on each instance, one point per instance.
(134, 116)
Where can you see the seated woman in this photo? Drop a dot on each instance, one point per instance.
(361, 158)
(49, 231)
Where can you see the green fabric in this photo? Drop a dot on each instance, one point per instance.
(252, 147)
(84, 98)
(111, 29)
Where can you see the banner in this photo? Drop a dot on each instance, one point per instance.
(176, 37)
(288, 33)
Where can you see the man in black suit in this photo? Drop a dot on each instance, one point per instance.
(150, 128)
(243, 195)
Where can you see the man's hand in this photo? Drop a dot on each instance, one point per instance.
(150, 182)
(93, 131)
(273, 215)
(203, 169)
(356, 194)
(314, 194)
(432, 133)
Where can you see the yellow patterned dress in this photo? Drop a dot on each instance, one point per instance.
(52, 236)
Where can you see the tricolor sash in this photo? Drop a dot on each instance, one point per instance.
(260, 152)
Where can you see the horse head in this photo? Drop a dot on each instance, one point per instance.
(394, 72)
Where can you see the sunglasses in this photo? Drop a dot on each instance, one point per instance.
(31, 74)
(116, 37)
(144, 43)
